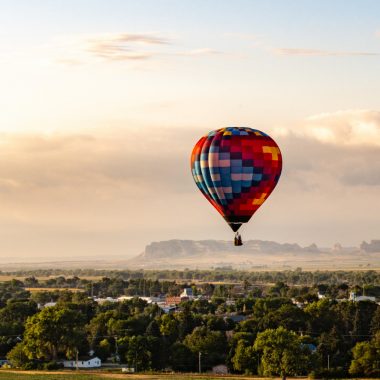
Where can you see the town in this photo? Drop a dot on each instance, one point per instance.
(129, 323)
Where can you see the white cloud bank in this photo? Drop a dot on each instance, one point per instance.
(348, 128)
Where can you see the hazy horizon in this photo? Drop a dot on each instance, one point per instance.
(102, 103)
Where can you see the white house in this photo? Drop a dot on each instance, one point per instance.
(187, 292)
(87, 362)
(147, 299)
(355, 298)
(321, 296)
(101, 301)
(47, 304)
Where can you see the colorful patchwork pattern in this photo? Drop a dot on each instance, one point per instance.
(236, 169)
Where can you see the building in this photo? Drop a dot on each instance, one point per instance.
(47, 304)
(101, 301)
(174, 300)
(321, 296)
(146, 299)
(355, 298)
(187, 292)
(220, 369)
(167, 309)
(83, 362)
(237, 318)
(299, 304)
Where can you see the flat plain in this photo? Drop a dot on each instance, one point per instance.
(92, 375)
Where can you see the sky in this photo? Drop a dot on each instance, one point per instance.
(101, 103)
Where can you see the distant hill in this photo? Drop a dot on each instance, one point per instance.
(208, 254)
(255, 254)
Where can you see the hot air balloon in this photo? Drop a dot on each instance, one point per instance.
(236, 169)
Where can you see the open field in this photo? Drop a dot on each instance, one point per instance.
(35, 290)
(4, 277)
(97, 375)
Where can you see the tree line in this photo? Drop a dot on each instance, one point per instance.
(226, 274)
(271, 336)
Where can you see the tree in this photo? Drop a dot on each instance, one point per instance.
(53, 331)
(138, 355)
(375, 323)
(169, 326)
(182, 358)
(282, 353)
(17, 356)
(279, 289)
(288, 316)
(245, 358)
(321, 316)
(366, 358)
(212, 345)
(103, 349)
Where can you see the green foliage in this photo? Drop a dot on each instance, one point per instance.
(212, 345)
(182, 358)
(103, 349)
(245, 358)
(53, 331)
(282, 353)
(366, 358)
(52, 366)
(141, 335)
(139, 355)
(18, 357)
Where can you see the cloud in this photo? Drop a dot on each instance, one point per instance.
(318, 53)
(332, 152)
(201, 52)
(123, 46)
(346, 128)
(312, 165)
(116, 47)
(115, 190)
(144, 159)
(78, 49)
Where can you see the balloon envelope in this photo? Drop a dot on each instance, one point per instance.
(236, 169)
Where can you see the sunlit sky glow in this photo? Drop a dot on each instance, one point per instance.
(102, 101)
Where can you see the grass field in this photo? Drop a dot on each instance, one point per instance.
(63, 375)
(4, 277)
(35, 290)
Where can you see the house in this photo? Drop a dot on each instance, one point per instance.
(355, 298)
(321, 296)
(174, 300)
(146, 299)
(47, 304)
(237, 318)
(83, 362)
(187, 293)
(299, 304)
(167, 309)
(101, 301)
